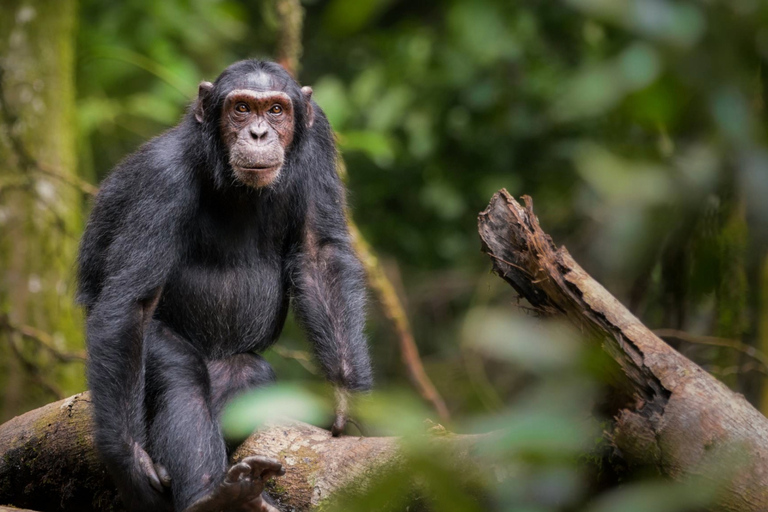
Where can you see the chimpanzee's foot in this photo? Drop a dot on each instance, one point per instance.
(242, 487)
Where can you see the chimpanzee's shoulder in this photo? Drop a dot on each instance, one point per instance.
(156, 171)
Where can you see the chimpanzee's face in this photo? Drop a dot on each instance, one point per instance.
(257, 123)
(257, 128)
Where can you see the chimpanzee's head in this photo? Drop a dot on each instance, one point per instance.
(255, 113)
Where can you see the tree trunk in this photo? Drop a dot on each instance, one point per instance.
(40, 211)
(682, 420)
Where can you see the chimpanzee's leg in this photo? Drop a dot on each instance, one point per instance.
(235, 375)
(184, 435)
(184, 431)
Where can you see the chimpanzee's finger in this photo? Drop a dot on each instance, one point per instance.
(339, 425)
(258, 461)
(268, 473)
(239, 470)
(264, 467)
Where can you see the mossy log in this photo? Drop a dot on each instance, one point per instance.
(47, 460)
(680, 419)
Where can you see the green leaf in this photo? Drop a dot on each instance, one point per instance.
(252, 410)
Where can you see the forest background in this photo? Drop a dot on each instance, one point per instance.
(638, 127)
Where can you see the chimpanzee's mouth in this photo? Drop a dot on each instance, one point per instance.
(258, 168)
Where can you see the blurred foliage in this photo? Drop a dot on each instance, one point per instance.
(638, 126)
(544, 451)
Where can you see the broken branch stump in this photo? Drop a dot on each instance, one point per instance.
(683, 421)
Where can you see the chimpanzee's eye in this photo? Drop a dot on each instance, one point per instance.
(242, 107)
(276, 109)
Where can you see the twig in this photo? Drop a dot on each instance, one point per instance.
(80, 184)
(32, 369)
(736, 369)
(43, 339)
(716, 342)
(393, 310)
(145, 63)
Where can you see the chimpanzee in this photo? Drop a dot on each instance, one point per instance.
(195, 247)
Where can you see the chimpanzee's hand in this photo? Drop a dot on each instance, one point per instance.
(339, 424)
(241, 490)
(156, 473)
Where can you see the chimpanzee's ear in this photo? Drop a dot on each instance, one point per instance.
(306, 91)
(203, 91)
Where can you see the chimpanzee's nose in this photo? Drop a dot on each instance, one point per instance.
(258, 130)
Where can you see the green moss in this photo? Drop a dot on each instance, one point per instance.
(276, 490)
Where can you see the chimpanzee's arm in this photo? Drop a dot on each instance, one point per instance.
(145, 246)
(329, 291)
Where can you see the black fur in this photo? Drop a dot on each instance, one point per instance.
(182, 271)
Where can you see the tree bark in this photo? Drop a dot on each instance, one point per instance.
(47, 460)
(40, 210)
(683, 421)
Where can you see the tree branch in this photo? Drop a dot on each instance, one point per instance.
(683, 421)
(47, 460)
(42, 339)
